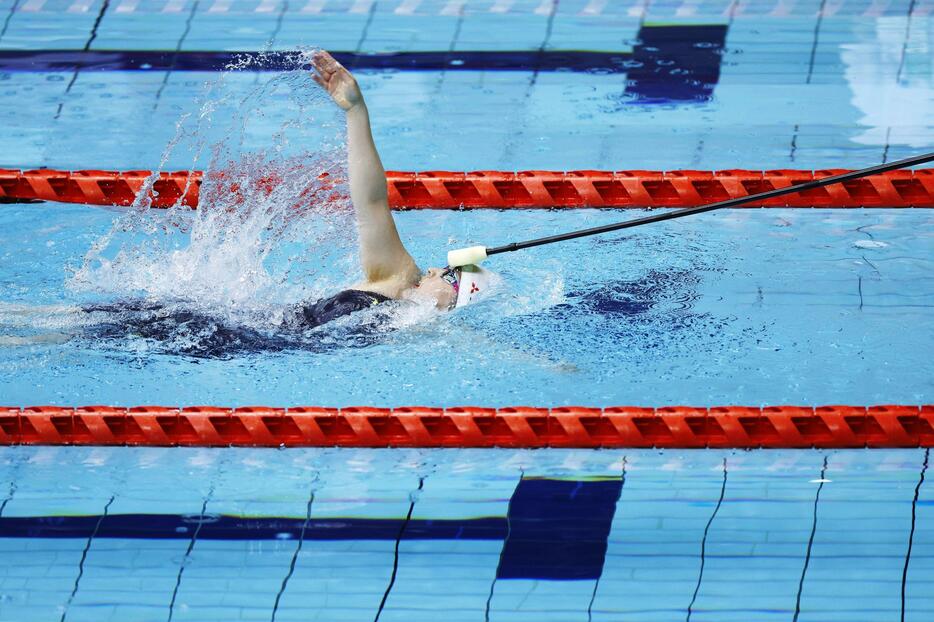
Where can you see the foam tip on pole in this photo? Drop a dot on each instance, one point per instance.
(466, 256)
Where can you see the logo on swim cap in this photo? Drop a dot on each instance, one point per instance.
(474, 283)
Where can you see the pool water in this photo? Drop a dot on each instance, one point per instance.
(749, 307)
(328, 534)
(746, 307)
(696, 84)
(743, 306)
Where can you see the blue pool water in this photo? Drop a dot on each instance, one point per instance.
(748, 307)
(751, 307)
(237, 534)
(792, 83)
(737, 307)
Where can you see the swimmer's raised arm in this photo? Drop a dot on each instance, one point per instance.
(388, 266)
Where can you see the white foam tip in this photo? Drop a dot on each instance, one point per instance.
(466, 256)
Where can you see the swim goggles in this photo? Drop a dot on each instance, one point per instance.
(451, 276)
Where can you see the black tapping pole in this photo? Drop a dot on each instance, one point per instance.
(688, 211)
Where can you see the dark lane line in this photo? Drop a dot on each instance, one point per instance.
(911, 535)
(502, 551)
(668, 63)
(554, 529)
(280, 19)
(898, 74)
(191, 545)
(9, 16)
(175, 53)
(366, 30)
(87, 47)
(84, 556)
(518, 118)
(222, 60)
(807, 558)
(298, 550)
(549, 27)
(395, 558)
(901, 62)
(454, 40)
(814, 43)
(596, 584)
(8, 498)
(251, 528)
(703, 550)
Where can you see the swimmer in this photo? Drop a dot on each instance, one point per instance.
(389, 270)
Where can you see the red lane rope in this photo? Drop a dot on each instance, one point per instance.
(523, 427)
(524, 189)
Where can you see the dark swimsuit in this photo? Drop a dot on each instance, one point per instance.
(213, 337)
(339, 305)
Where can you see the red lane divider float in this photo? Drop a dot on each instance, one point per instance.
(525, 189)
(525, 427)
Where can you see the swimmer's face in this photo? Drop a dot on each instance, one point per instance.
(435, 287)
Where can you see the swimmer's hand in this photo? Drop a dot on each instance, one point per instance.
(336, 80)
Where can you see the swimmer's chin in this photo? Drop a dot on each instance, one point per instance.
(420, 311)
(422, 299)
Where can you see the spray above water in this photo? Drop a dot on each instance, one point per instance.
(275, 226)
(274, 223)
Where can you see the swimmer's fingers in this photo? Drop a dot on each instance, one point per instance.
(320, 69)
(320, 73)
(327, 67)
(323, 60)
(327, 82)
(326, 70)
(336, 80)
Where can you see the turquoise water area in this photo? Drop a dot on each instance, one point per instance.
(298, 534)
(752, 307)
(748, 307)
(739, 307)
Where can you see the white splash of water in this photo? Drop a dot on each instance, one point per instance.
(873, 244)
(274, 222)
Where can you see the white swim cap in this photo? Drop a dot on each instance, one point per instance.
(473, 283)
